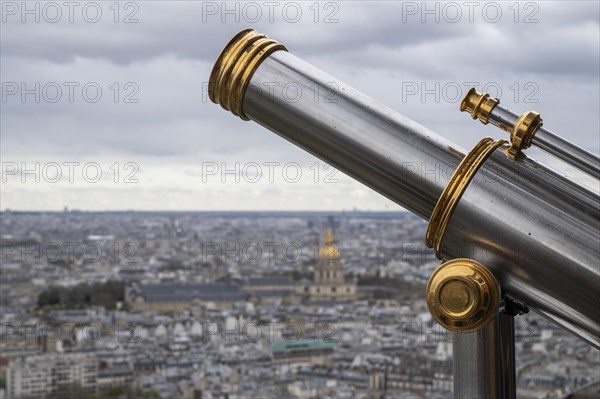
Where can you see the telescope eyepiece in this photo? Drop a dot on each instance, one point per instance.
(235, 66)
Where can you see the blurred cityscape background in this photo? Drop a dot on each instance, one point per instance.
(240, 305)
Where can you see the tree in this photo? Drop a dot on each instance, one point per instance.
(49, 297)
(115, 392)
(83, 296)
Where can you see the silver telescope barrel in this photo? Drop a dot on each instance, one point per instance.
(548, 141)
(368, 141)
(535, 229)
(551, 143)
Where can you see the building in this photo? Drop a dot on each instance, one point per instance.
(36, 376)
(329, 281)
(264, 289)
(313, 351)
(176, 297)
(114, 377)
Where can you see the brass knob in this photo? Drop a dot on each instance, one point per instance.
(479, 105)
(463, 295)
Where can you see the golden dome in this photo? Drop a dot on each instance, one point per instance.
(330, 250)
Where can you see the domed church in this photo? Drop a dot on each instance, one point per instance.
(329, 281)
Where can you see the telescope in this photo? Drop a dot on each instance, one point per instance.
(514, 234)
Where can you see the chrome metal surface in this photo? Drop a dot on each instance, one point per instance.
(368, 141)
(550, 142)
(484, 361)
(502, 117)
(534, 228)
(568, 152)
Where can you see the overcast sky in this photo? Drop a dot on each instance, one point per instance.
(88, 85)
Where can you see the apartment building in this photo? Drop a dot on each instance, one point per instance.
(36, 376)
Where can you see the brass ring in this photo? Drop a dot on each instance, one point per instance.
(462, 176)
(228, 68)
(222, 64)
(235, 66)
(524, 130)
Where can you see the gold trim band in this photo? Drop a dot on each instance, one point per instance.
(523, 131)
(457, 185)
(235, 66)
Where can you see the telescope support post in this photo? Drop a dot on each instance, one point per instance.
(484, 361)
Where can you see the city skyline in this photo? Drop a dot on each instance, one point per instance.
(181, 303)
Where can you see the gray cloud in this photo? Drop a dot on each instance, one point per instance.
(163, 61)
